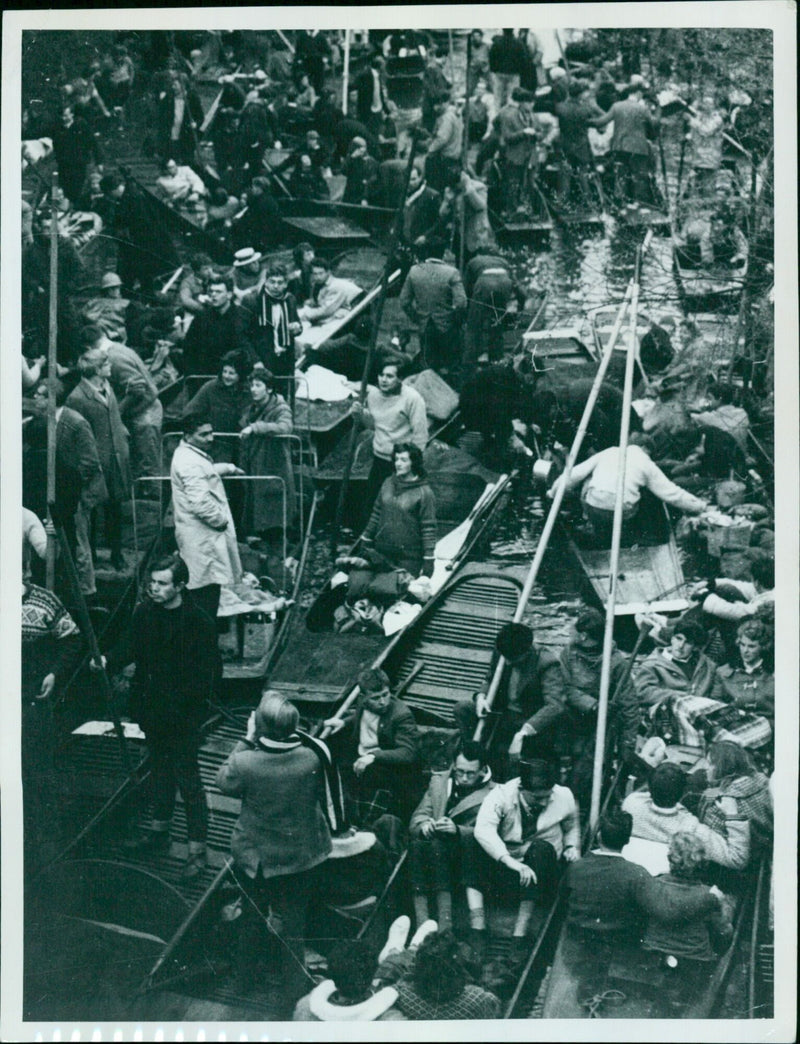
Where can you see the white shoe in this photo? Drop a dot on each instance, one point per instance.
(396, 939)
(422, 932)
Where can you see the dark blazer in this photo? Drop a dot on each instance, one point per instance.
(364, 88)
(398, 736)
(79, 475)
(110, 434)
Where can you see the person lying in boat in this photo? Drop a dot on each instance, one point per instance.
(441, 826)
(599, 475)
(687, 921)
(658, 814)
(399, 542)
(331, 295)
(603, 888)
(376, 748)
(524, 828)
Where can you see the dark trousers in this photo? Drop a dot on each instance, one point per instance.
(434, 863)
(497, 881)
(112, 514)
(206, 598)
(441, 347)
(484, 326)
(633, 177)
(381, 470)
(283, 902)
(173, 764)
(401, 787)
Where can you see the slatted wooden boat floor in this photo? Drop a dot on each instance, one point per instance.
(455, 644)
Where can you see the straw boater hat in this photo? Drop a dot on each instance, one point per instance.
(245, 256)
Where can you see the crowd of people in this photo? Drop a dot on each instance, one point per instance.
(499, 824)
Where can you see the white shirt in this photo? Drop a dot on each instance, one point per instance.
(368, 733)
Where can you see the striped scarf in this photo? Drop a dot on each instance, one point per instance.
(334, 794)
(275, 313)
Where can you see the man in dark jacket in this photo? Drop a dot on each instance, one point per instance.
(634, 124)
(174, 648)
(508, 57)
(218, 329)
(420, 213)
(75, 147)
(441, 824)
(530, 683)
(574, 116)
(377, 749)
(371, 95)
(433, 296)
(604, 887)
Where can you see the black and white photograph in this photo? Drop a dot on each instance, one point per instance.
(399, 579)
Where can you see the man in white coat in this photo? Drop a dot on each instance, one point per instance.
(204, 529)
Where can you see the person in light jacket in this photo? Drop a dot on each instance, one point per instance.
(522, 831)
(204, 529)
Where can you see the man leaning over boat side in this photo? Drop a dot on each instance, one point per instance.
(600, 475)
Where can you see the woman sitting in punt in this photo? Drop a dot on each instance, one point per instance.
(400, 539)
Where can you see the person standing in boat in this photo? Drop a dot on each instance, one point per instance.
(281, 838)
(178, 666)
(262, 453)
(204, 529)
(524, 828)
(518, 137)
(274, 325)
(433, 297)
(395, 412)
(635, 122)
(420, 217)
(574, 119)
(599, 476)
(706, 128)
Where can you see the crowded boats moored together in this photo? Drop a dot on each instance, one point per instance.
(270, 277)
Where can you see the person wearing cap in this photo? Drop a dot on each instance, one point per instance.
(108, 310)
(678, 676)
(139, 405)
(523, 830)
(361, 171)
(580, 664)
(599, 476)
(530, 685)
(248, 274)
(518, 137)
(574, 119)
(635, 122)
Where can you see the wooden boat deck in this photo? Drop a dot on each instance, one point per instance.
(650, 579)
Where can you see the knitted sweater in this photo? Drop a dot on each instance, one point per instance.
(396, 418)
(731, 849)
(403, 522)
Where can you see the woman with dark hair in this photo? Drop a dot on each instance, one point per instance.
(401, 532)
(261, 453)
(437, 988)
(223, 399)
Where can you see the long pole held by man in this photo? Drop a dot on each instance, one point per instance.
(52, 343)
(376, 322)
